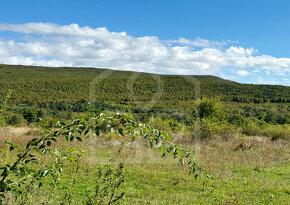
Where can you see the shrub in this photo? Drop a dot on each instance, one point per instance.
(16, 119)
(206, 129)
(236, 119)
(276, 132)
(167, 124)
(251, 129)
(210, 128)
(30, 115)
(208, 108)
(227, 130)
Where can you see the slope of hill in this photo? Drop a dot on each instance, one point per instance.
(36, 85)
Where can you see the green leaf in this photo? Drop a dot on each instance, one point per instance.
(97, 130)
(11, 145)
(79, 139)
(132, 138)
(79, 131)
(141, 131)
(45, 173)
(121, 131)
(179, 152)
(42, 146)
(86, 132)
(48, 143)
(37, 150)
(151, 143)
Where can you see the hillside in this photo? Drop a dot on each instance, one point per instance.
(36, 85)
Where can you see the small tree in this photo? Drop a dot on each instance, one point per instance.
(208, 108)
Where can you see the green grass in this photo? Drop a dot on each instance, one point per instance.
(155, 184)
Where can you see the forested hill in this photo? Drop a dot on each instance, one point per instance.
(36, 85)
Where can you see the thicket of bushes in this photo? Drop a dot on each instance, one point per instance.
(213, 120)
(214, 117)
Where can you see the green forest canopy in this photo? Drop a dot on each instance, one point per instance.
(35, 85)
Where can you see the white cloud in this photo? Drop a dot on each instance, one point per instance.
(71, 45)
(242, 73)
(199, 42)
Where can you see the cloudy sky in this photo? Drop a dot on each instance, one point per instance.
(227, 39)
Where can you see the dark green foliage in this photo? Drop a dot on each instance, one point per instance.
(42, 85)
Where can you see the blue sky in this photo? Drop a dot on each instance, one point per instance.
(252, 37)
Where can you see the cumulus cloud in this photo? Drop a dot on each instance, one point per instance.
(242, 73)
(71, 45)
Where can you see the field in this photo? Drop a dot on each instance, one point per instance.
(247, 171)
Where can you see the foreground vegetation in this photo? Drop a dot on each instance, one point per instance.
(246, 171)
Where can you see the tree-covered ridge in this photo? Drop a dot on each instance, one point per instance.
(31, 84)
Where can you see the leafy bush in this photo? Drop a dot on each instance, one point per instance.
(277, 132)
(237, 120)
(208, 108)
(211, 128)
(207, 129)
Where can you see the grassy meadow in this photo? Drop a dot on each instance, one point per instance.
(249, 170)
